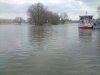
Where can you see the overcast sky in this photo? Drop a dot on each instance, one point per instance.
(74, 8)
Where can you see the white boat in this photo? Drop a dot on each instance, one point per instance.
(86, 22)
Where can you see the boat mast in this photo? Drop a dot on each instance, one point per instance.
(86, 20)
(86, 13)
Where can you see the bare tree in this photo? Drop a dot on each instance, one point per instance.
(39, 15)
(55, 18)
(63, 17)
(52, 18)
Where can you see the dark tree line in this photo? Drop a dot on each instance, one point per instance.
(40, 15)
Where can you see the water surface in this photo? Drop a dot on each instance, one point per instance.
(49, 50)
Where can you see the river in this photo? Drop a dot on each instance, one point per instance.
(49, 50)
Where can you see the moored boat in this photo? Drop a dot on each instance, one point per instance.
(86, 22)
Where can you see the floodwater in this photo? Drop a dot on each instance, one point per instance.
(49, 50)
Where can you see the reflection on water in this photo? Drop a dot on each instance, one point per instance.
(85, 34)
(49, 50)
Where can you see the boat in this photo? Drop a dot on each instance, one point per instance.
(86, 22)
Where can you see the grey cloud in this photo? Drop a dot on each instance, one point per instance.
(72, 8)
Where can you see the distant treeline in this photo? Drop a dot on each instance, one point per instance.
(75, 21)
(9, 21)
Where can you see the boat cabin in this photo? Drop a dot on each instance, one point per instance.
(86, 19)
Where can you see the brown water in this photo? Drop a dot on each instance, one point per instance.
(49, 50)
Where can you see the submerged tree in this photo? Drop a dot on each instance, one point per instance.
(52, 18)
(39, 15)
(63, 17)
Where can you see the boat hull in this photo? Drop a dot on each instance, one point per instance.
(86, 27)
